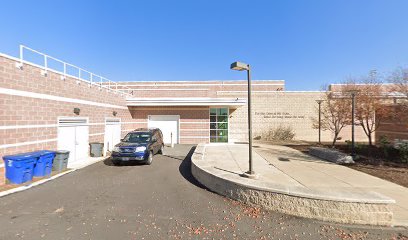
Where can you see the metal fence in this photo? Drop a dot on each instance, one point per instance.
(94, 79)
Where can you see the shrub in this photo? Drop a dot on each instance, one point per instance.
(403, 149)
(385, 145)
(257, 138)
(280, 133)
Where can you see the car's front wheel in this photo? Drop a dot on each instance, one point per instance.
(161, 151)
(150, 158)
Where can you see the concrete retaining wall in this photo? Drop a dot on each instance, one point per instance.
(373, 213)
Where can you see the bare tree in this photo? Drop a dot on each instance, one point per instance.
(335, 114)
(399, 91)
(399, 79)
(369, 106)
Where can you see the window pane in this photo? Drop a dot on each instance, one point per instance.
(213, 136)
(213, 111)
(222, 132)
(223, 111)
(223, 136)
(213, 119)
(222, 126)
(213, 126)
(222, 118)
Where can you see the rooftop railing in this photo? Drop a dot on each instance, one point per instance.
(93, 79)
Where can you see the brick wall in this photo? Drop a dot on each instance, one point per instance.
(194, 121)
(395, 126)
(31, 104)
(294, 109)
(2, 176)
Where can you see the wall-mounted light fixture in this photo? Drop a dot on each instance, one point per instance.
(19, 65)
(44, 73)
(77, 110)
(114, 113)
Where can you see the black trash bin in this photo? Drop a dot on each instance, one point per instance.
(60, 161)
(96, 149)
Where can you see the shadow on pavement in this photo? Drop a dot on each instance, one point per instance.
(185, 170)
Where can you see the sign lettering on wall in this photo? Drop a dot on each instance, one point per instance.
(281, 115)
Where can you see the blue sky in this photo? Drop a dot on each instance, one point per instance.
(308, 43)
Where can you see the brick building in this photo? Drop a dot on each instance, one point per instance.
(44, 108)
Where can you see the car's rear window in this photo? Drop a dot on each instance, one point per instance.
(138, 137)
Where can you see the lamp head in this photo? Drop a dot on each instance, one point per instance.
(239, 66)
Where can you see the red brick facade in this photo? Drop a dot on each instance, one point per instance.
(395, 126)
(194, 121)
(31, 104)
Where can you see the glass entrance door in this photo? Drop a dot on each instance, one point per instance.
(218, 124)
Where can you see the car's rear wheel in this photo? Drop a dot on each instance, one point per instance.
(161, 151)
(150, 158)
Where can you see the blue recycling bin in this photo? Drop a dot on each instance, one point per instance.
(20, 167)
(43, 166)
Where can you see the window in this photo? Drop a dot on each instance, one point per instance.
(139, 137)
(218, 124)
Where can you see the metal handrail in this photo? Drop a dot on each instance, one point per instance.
(103, 81)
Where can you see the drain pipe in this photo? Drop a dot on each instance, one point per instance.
(171, 137)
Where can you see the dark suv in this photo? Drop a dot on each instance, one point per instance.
(139, 145)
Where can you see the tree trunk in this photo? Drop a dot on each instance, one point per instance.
(334, 139)
(370, 141)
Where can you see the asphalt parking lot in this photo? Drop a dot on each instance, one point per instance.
(160, 201)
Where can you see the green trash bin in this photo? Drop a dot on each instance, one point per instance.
(96, 149)
(60, 161)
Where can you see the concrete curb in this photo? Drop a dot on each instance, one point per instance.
(349, 211)
(30, 185)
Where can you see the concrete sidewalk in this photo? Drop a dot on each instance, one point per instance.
(289, 171)
(315, 173)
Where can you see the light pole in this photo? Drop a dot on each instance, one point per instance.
(353, 106)
(245, 67)
(320, 123)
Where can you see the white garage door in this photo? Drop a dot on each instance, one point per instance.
(112, 133)
(168, 124)
(73, 135)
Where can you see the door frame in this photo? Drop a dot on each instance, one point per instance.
(209, 130)
(105, 150)
(59, 118)
(167, 115)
